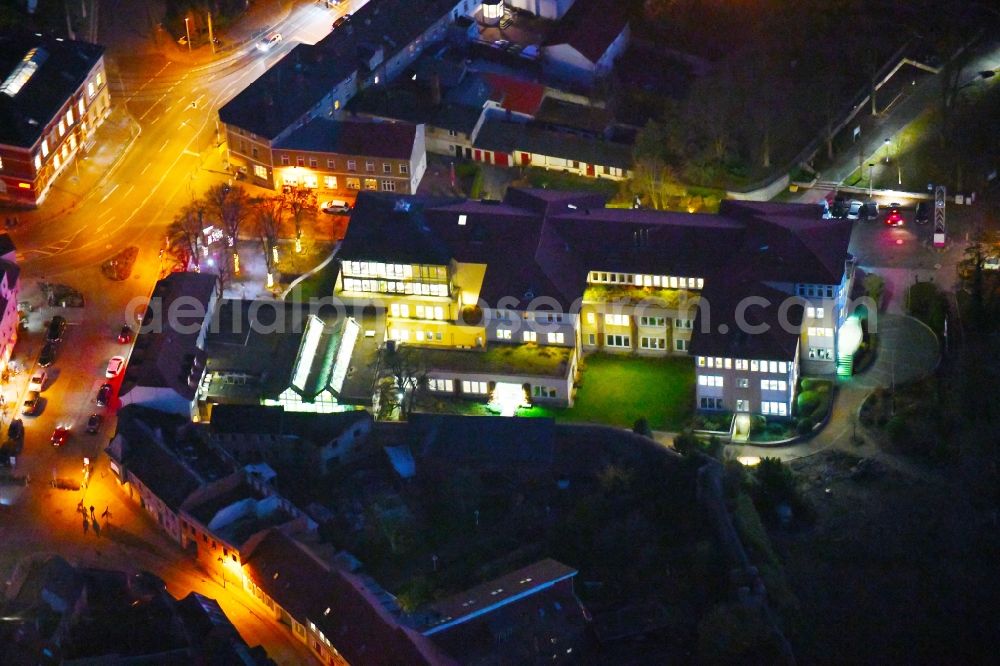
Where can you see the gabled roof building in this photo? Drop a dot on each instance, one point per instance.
(500, 299)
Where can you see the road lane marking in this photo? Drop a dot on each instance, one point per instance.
(155, 119)
(129, 190)
(148, 164)
(109, 193)
(164, 145)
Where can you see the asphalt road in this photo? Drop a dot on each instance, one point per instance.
(176, 105)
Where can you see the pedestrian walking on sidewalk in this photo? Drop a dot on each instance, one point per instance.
(92, 512)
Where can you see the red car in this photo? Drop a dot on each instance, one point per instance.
(60, 436)
(894, 218)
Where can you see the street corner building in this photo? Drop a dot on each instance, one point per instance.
(10, 308)
(53, 97)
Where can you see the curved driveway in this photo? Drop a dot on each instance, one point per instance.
(908, 351)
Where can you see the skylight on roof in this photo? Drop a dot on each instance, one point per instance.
(307, 352)
(25, 69)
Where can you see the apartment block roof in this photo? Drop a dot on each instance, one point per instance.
(391, 140)
(591, 26)
(337, 603)
(284, 94)
(49, 70)
(544, 243)
(166, 352)
(297, 83)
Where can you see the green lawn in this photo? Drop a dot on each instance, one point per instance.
(561, 180)
(618, 390)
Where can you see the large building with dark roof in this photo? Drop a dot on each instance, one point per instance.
(53, 96)
(316, 81)
(500, 299)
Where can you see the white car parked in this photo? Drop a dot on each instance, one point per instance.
(268, 42)
(115, 366)
(37, 382)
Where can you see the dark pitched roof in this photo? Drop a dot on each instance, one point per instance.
(166, 352)
(295, 84)
(485, 440)
(718, 331)
(148, 440)
(502, 136)
(559, 113)
(590, 26)
(337, 603)
(791, 241)
(6, 245)
(390, 228)
(375, 139)
(60, 72)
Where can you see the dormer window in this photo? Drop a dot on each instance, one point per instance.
(462, 219)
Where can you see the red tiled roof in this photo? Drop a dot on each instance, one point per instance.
(515, 95)
(350, 617)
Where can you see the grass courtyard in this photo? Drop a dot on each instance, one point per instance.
(618, 390)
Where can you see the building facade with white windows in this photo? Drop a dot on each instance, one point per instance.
(505, 297)
(53, 97)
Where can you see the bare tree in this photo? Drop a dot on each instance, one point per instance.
(185, 236)
(268, 213)
(300, 203)
(230, 206)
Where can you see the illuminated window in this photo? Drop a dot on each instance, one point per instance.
(503, 333)
(529, 336)
(616, 320)
(45, 147)
(353, 184)
(371, 184)
(330, 182)
(474, 387)
(260, 172)
(90, 88)
(336, 104)
(69, 116)
(80, 107)
(100, 79)
(38, 163)
(714, 381)
(441, 385)
(311, 181)
(62, 128)
(462, 220)
(556, 338)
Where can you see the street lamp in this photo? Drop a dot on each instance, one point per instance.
(886, 142)
(871, 167)
(187, 31)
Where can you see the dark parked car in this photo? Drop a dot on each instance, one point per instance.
(341, 21)
(125, 335)
(16, 429)
(870, 211)
(840, 207)
(56, 328)
(31, 405)
(923, 213)
(104, 395)
(48, 355)
(94, 423)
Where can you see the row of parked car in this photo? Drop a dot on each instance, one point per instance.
(37, 384)
(843, 208)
